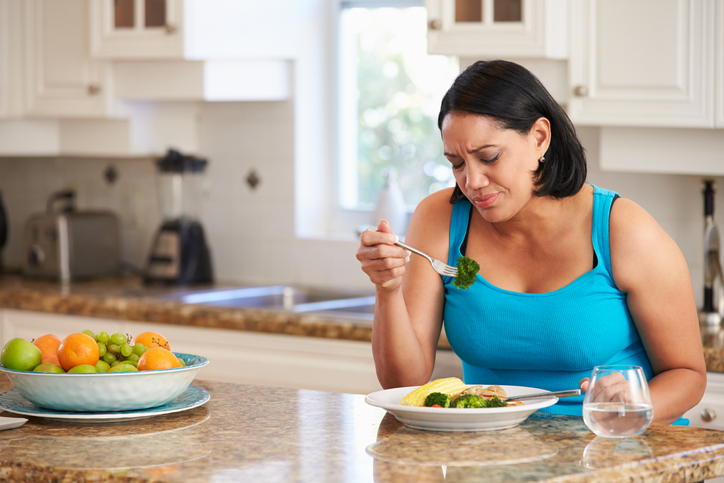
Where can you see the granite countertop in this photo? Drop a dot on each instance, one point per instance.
(250, 433)
(129, 299)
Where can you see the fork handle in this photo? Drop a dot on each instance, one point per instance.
(414, 250)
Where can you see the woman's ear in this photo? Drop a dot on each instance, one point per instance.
(541, 131)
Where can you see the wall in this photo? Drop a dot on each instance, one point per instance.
(251, 231)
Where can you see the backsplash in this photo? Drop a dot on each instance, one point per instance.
(251, 230)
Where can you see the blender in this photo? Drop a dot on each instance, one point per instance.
(179, 254)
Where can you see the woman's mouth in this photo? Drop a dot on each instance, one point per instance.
(485, 201)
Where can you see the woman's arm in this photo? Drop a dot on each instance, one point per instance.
(649, 267)
(410, 295)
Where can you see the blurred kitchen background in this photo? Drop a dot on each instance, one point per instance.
(92, 92)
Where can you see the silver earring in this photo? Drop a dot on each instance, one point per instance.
(542, 159)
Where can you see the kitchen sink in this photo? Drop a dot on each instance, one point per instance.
(284, 297)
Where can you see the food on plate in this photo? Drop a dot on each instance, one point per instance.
(453, 393)
(447, 385)
(90, 352)
(437, 400)
(467, 271)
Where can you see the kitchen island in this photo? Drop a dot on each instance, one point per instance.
(251, 433)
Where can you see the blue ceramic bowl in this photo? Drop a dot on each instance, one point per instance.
(117, 391)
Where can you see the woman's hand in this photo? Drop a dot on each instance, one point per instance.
(613, 387)
(382, 260)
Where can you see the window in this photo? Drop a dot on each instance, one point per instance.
(390, 91)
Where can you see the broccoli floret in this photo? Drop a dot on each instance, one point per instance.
(467, 271)
(437, 398)
(496, 403)
(469, 401)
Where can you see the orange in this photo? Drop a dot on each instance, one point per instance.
(152, 339)
(157, 358)
(48, 345)
(77, 349)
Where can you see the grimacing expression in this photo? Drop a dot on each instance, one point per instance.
(493, 166)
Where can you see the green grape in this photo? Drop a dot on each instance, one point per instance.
(115, 348)
(110, 357)
(183, 362)
(133, 357)
(102, 349)
(115, 363)
(130, 362)
(126, 350)
(103, 337)
(89, 333)
(118, 338)
(139, 349)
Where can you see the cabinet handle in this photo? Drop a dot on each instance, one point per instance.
(580, 91)
(170, 28)
(708, 415)
(434, 24)
(94, 89)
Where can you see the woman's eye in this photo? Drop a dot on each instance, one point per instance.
(489, 161)
(458, 166)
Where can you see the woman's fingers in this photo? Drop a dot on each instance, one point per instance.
(381, 259)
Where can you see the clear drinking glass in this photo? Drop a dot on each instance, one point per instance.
(617, 403)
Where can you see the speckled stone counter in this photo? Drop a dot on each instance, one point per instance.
(249, 433)
(129, 299)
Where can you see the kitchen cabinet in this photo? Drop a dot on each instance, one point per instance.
(10, 66)
(61, 78)
(498, 28)
(649, 63)
(136, 29)
(709, 413)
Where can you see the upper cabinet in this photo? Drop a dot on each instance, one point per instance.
(137, 29)
(652, 63)
(60, 77)
(498, 28)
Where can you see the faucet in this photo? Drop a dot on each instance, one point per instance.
(713, 310)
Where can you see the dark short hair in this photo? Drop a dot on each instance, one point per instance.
(515, 98)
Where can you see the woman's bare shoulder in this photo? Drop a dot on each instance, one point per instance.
(430, 223)
(640, 247)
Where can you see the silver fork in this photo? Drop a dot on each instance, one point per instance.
(440, 267)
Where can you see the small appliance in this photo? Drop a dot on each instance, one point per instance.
(66, 243)
(712, 312)
(179, 253)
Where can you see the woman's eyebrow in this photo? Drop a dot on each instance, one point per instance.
(474, 150)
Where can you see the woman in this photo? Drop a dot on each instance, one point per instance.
(569, 279)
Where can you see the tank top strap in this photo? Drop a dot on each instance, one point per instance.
(458, 229)
(602, 201)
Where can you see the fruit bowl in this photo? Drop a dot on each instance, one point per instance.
(118, 391)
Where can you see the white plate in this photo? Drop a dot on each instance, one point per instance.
(10, 423)
(192, 397)
(458, 419)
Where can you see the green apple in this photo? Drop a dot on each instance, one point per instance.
(122, 368)
(83, 369)
(49, 367)
(20, 355)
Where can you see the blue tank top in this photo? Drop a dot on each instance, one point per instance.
(543, 340)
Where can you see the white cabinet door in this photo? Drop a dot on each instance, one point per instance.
(719, 75)
(137, 29)
(642, 63)
(10, 62)
(61, 80)
(498, 28)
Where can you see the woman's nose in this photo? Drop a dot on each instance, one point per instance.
(477, 178)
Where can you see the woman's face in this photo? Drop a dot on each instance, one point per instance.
(494, 167)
